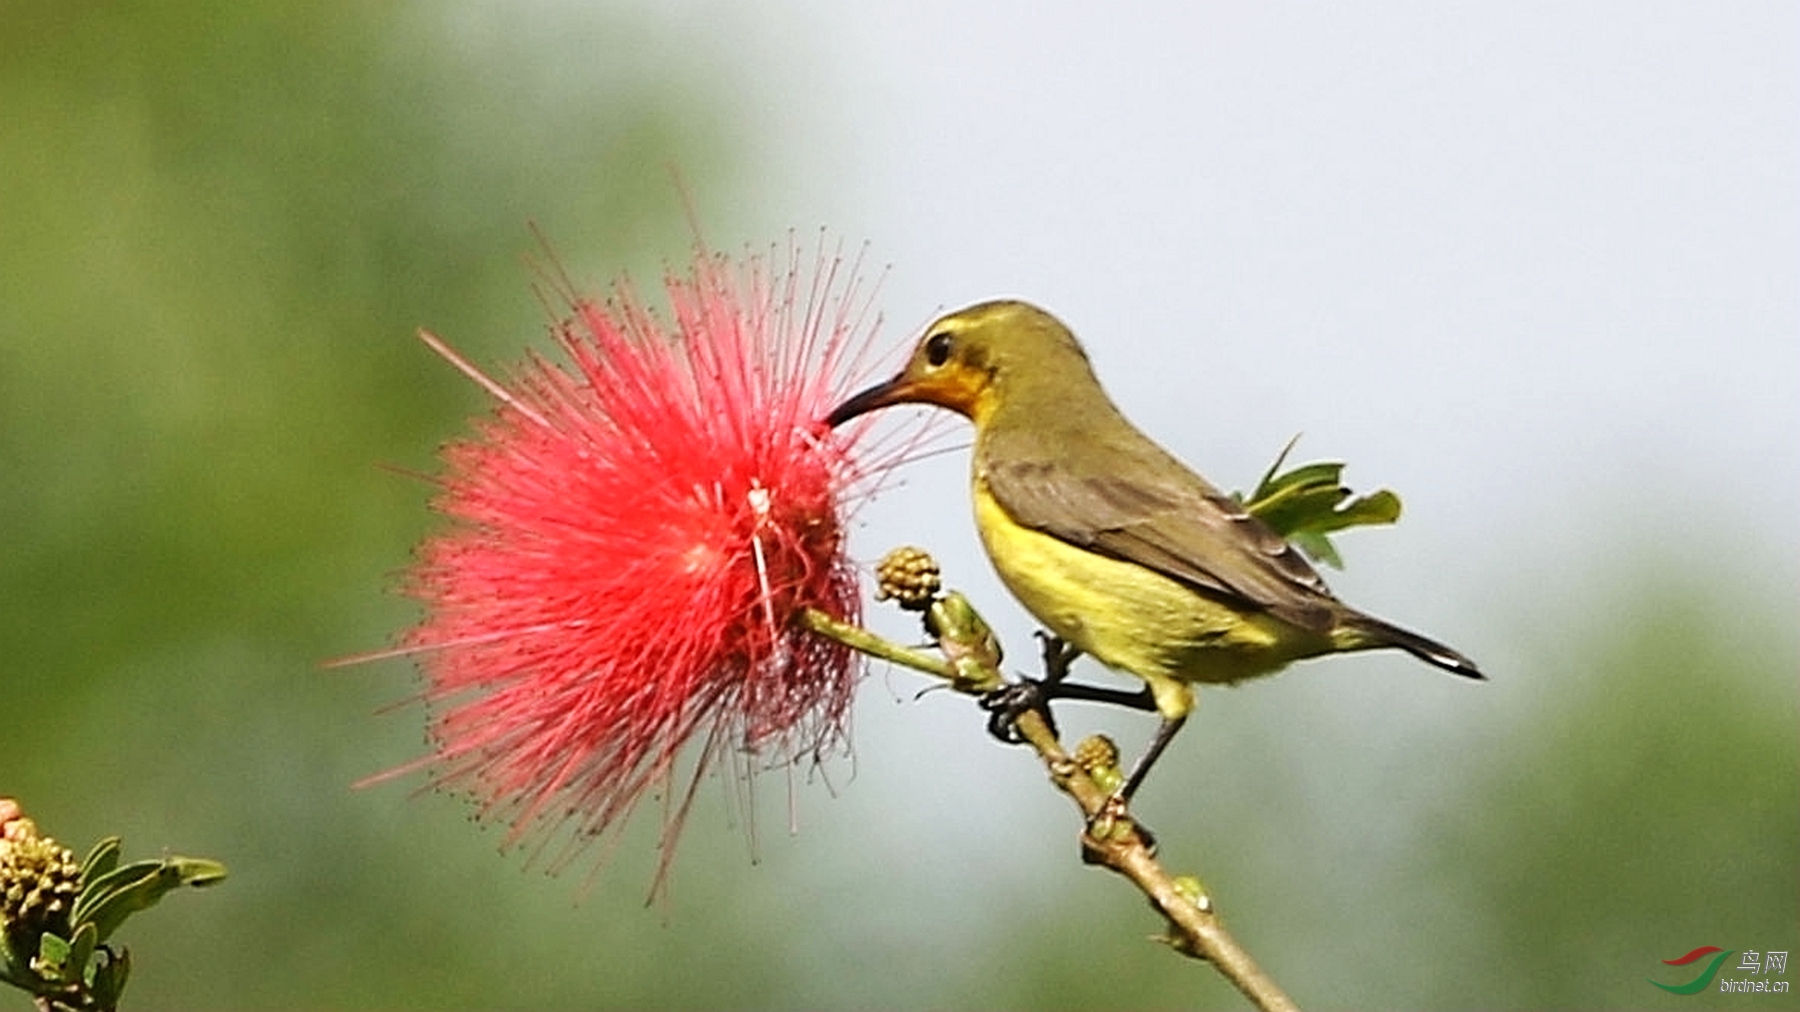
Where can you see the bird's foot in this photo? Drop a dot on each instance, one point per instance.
(1006, 704)
(1011, 701)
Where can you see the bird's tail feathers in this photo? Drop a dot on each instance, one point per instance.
(1369, 633)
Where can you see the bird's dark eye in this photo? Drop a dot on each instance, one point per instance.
(937, 348)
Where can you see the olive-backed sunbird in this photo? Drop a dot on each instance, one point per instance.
(1111, 542)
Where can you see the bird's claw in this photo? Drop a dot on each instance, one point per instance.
(1011, 701)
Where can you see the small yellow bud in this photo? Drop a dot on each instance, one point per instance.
(39, 880)
(909, 576)
(1098, 757)
(1191, 889)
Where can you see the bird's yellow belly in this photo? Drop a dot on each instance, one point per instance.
(1130, 617)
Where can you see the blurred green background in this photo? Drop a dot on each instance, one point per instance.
(220, 224)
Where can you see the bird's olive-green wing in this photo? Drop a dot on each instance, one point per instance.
(1139, 505)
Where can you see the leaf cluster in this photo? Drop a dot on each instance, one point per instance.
(1310, 501)
(67, 963)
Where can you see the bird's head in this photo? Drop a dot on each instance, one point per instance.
(969, 360)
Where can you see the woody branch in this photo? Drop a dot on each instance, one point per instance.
(968, 658)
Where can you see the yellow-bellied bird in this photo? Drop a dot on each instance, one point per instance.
(1117, 547)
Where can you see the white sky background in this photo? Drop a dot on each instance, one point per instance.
(1534, 266)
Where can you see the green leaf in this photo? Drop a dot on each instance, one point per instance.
(81, 951)
(1310, 501)
(1318, 548)
(100, 860)
(15, 969)
(52, 961)
(110, 977)
(112, 897)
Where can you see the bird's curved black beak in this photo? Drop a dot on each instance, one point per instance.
(878, 396)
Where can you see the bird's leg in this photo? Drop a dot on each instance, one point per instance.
(1058, 655)
(1006, 704)
(1142, 699)
(1165, 733)
(1116, 805)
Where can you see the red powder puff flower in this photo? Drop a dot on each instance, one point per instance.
(630, 540)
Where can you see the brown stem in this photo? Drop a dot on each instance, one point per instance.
(1120, 846)
(1111, 839)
